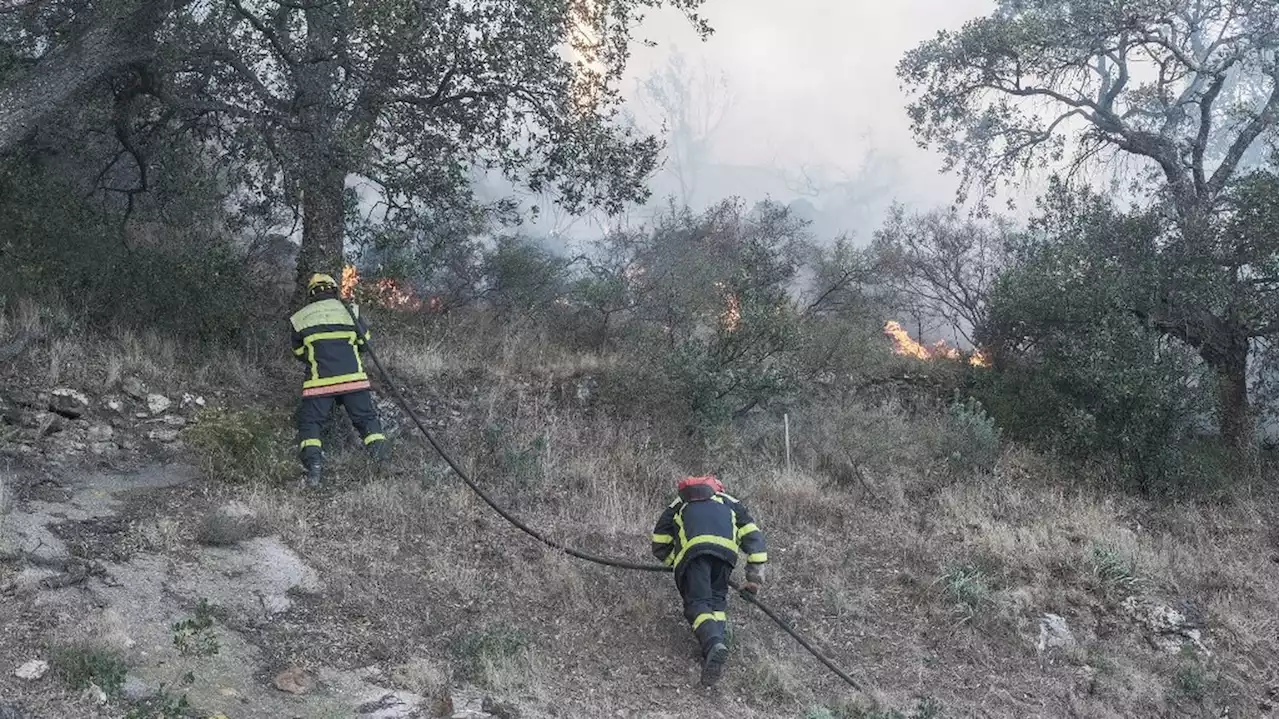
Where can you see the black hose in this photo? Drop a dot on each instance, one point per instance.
(404, 404)
(750, 597)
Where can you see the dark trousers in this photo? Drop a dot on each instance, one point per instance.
(704, 587)
(313, 412)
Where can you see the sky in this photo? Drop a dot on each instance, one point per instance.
(813, 83)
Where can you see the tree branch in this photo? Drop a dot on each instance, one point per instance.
(1242, 142)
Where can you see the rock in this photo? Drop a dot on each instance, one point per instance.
(230, 523)
(501, 710)
(134, 387)
(135, 689)
(1054, 633)
(175, 420)
(294, 680)
(104, 449)
(163, 435)
(115, 405)
(101, 432)
(189, 399)
(157, 403)
(47, 423)
(95, 693)
(1167, 629)
(68, 403)
(32, 670)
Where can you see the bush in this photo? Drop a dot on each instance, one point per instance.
(970, 442)
(486, 655)
(81, 664)
(241, 446)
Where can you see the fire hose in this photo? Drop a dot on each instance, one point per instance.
(748, 596)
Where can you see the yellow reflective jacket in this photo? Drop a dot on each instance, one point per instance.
(718, 525)
(329, 343)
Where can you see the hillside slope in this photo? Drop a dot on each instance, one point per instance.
(397, 593)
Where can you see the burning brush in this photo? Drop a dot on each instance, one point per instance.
(904, 346)
(385, 292)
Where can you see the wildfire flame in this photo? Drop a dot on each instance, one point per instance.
(731, 318)
(905, 346)
(386, 292)
(349, 279)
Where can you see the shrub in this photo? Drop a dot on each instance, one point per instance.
(240, 446)
(83, 663)
(971, 440)
(491, 654)
(967, 587)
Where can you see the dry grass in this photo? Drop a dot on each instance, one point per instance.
(6, 497)
(880, 547)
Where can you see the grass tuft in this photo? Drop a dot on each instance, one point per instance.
(83, 663)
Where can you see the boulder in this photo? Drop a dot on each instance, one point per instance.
(1167, 629)
(68, 402)
(32, 670)
(157, 403)
(101, 432)
(163, 435)
(294, 680)
(134, 387)
(1054, 634)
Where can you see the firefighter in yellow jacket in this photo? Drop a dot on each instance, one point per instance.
(699, 535)
(330, 344)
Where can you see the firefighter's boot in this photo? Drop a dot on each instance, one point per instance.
(713, 664)
(315, 472)
(378, 451)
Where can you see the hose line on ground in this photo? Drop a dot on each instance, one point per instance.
(606, 561)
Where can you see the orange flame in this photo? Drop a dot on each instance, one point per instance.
(349, 279)
(386, 292)
(731, 318)
(905, 346)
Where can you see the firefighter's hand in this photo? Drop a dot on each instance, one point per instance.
(749, 587)
(755, 574)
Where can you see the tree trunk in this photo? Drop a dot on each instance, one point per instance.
(1233, 394)
(322, 161)
(323, 185)
(123, 35)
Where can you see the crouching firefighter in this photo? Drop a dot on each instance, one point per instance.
(699, 535)
(329, 342)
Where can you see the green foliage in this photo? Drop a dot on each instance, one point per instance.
(161, 705)
(1193, 680)
(474, 652)
(514, 462)
(194, 636)
(701, 309)
(160, 270)
(971, 440)
(1114, 567)
(82, 664)
(242, 445)
(968, 587)
(522, 280)
(1080, 372)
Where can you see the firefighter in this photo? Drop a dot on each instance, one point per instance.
(330, 344)
(699, 535)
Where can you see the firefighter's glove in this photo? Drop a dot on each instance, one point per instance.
(755, 574)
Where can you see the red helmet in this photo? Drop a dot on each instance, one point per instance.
(708, 480)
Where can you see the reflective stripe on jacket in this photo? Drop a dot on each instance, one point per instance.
(719, 525)
(329, 343)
